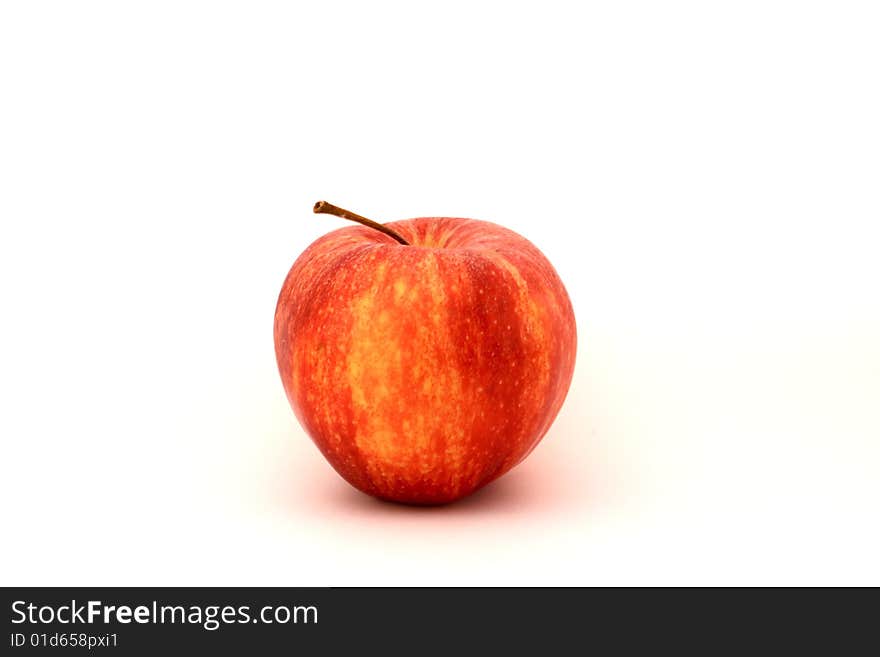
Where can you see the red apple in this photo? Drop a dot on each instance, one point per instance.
(425, 357)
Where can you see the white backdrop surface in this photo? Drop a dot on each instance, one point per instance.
(704, 177)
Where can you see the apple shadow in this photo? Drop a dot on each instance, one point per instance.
(509, 494)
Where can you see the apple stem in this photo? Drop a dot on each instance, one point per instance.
(322, 207)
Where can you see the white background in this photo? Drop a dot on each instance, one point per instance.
(704, 176)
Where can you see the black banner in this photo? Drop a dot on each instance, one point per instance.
(406, 621)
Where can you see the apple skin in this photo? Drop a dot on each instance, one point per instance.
(425, 371)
